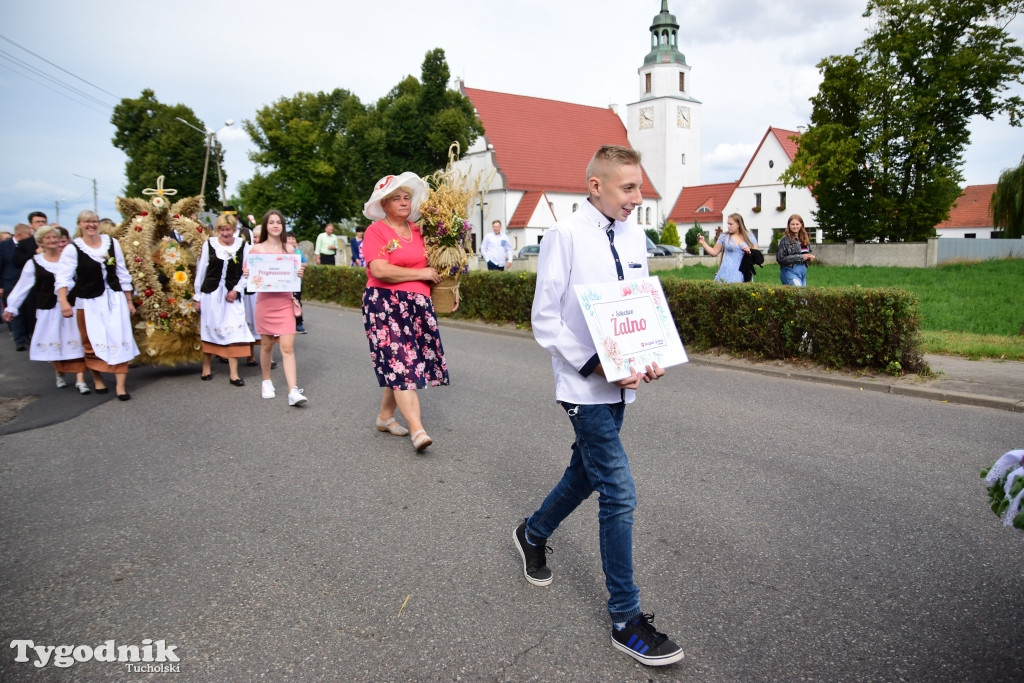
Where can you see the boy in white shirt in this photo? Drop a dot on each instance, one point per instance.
(594, 244)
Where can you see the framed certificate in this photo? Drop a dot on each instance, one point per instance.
(274, 273)
(631, 325)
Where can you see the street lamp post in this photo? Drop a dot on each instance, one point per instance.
(56, 206)
(95, 195)
(210, 135)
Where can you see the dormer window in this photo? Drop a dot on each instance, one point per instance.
(704, 209)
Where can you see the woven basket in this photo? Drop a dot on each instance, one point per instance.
(443, 295)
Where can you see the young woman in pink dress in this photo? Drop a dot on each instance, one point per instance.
(275, 316)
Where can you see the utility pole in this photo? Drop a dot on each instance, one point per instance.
(210, 136)
(95, 194)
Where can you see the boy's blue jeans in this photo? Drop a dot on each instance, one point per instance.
(599, 464)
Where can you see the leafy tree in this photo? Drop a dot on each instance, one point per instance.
(308, 167)
(653, 234)
(157, 144)
(320, 154)
(1008, 202)
(670, 234)
(692, 234)
(889, 124)
(416, 122)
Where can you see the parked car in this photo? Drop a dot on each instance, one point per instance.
(529, 250)
(654, 250)
(672, 249)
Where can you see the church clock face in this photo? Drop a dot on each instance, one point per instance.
(683, 117)
(647, 117)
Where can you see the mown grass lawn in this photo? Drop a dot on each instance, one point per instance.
(968, 309)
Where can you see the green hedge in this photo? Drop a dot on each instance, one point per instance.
(341, 284)
(835, 327)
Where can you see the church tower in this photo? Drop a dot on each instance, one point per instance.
(664, 125)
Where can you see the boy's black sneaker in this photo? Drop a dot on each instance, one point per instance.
(535, 564)
(641, 641)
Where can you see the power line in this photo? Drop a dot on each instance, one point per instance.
(56, 66)
(55, 90)
(53, 79)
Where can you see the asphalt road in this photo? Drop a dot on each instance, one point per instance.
(787, 530)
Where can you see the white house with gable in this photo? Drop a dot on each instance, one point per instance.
(761, 198)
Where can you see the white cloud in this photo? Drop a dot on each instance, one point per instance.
(727, 161)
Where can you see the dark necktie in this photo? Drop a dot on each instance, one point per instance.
(615, 254)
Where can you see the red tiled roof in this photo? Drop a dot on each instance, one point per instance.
(788, 146)
(714, 197)
(545, 144)
(783, 136)
(972, 209)
(524, 210)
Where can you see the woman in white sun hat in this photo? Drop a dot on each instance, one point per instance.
(398, 314)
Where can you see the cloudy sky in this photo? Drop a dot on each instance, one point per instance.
(64, 64)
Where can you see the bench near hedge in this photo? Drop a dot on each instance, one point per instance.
(874, 329)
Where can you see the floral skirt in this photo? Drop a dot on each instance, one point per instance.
(405, 344)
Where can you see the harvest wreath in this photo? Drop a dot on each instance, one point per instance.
(161, 245)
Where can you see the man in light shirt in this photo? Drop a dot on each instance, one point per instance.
(596, 244)
(496, 249)
(326, 248)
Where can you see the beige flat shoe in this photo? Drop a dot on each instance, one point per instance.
(420, 440)
(392, 426)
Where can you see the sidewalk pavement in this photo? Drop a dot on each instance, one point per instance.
(987, 383)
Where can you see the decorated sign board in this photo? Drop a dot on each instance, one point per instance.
(631, 326)
(274, 272)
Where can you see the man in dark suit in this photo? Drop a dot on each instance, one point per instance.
(9, 274)
(14, 254)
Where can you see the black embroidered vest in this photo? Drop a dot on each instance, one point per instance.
(45, 282)
(89, 275)
(216, 266)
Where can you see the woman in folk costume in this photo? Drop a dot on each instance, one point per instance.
(219, 296)
(56, 339)
(92, 273)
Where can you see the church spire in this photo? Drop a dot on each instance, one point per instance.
(664, 39)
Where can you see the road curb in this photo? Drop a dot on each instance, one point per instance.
(823, 377)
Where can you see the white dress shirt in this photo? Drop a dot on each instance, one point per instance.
(496, 248)
(576, 251)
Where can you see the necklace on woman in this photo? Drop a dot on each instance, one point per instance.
(407, 226)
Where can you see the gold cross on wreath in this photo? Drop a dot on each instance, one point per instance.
(159, 192)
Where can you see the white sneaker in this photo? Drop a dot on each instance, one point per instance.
(295, 397)
(61, 382)
(268, 389)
